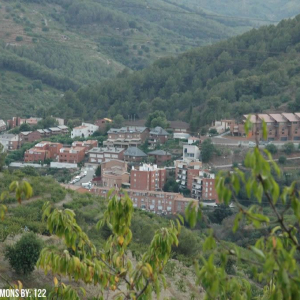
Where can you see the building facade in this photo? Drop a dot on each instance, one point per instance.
(130, 136)
(72, 155)
(2, 126)
(160, 156)
(10, 142)
(30, 136)
(84, 131)
(42, 151)
(157, 136)
(101, 154)
(148, 178)
(88, 145)
(280, 127)
(156, 202)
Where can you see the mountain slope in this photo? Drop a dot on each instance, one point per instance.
(256, 71)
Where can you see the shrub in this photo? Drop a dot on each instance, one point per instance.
(282, 160)
(271, 148)
(289, 148)
(19, 38)
(24, 254)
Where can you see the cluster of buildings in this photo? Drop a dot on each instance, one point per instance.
(57, 152)
(281, 127)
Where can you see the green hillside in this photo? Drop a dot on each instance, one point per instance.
(256, 71)
(67, 44)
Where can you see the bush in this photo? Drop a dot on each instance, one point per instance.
(19, 38)
(289, 148)
(24, 254)
(271, 148)
(282, 160)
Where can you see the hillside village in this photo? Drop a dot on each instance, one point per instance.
(161, 169)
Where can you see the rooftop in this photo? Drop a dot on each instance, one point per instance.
(25, 132)
(147, 167)
(134, 151)
(2, 123)
(7, 136)
(80, 127)
(278, 117)
(54, 129)
(128, 129)
(291, 117)
(159, 152)
(106, 149)
(178, 125)
(159, 131)
(63, 127)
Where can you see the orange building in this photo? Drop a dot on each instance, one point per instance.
(42, 151)
(148, 178)
(160, 203)
(72, 155)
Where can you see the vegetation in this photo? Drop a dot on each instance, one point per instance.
(24, 254)
(271, 148)
(246, 74)
(207, 150)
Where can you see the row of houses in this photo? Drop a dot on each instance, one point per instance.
(281, 127)
(18, 121)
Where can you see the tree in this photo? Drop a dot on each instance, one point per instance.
(2, 156)
(289, 148)
(207, 150)
(171, 186)
(213, 131)
(48, 122)
(271, 148)
(24, 254)
(282, 160)
(220, 213)
(110, 267)
(157, 118)
(118, 121)
(98, 171)
(24, 127)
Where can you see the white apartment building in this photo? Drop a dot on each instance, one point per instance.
(190, 153)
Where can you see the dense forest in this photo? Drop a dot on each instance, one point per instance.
(256, 71)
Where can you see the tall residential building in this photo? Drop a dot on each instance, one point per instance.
(147, 178)
(203, 186)
(2, 125)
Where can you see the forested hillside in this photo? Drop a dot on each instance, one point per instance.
(67, 44)
(253, 72)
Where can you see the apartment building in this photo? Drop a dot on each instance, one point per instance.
(72, 155)
(10, 141)
(42, 151)
(2, 126)
(185, 171)
(84, 131)
(102, 123)
(203, 186)
(30, 136)
(129, 136)
(88, 145)
(280, 127)
(148, 178)
(157, 136)
(101, 154)
(153, 201)
(113, 163)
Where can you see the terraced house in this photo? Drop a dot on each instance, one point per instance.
(281, 127)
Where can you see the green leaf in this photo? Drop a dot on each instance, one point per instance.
(258, 252)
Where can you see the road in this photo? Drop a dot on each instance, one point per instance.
(89, 176)
(275, 159)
